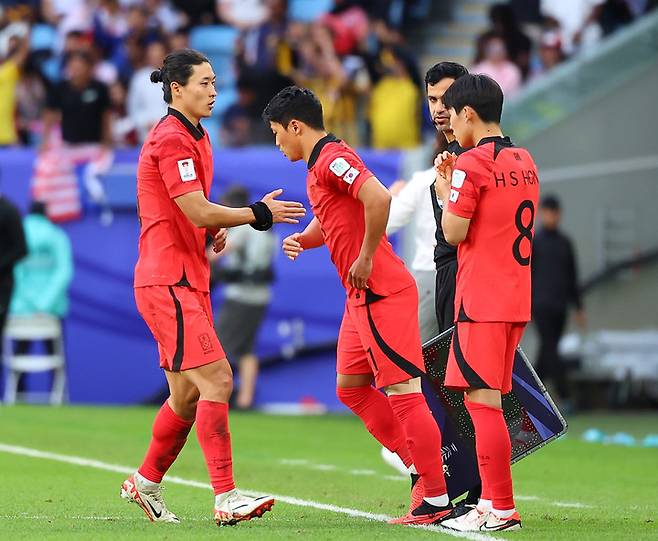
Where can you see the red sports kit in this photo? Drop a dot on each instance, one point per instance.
(379, 333)
(172, 275)
(496, 186)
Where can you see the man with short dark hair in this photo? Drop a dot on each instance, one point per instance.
(554, 289)
(379, 338)
(492, 192)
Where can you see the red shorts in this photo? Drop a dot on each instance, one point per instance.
(180, 319)
(482, 355)
(382, 338)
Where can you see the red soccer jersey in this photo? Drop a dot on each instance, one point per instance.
(335, 175)
(176, 159)
(495, 185)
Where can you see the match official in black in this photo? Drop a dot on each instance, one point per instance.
(554, 290)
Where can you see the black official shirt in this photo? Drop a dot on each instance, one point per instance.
(82, 110)
(554, 271)
(443, 252)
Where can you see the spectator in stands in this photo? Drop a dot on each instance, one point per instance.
(42, 278)
(577, 20)
(613, 15)
(82, 106)
(550, 54)
(247, 272)
(259, 46)
(124, 132)
(394, 112)
(145, 104)
(554, 289)
(178, 40)
(504, 24)
(10, 73)
(241, 123)
(30, 102)
(12, 250)
(497, 65)
(164, 16)
(242, 14)
(321, 70)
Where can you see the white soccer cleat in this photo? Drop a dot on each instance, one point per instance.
(497, 524)
(150, 501)
(467, 522)
(233, 507)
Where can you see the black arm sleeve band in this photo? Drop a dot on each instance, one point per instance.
(263, 214)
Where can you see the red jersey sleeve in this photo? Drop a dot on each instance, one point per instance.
(178, 165)
(467, 182)
(344, 170)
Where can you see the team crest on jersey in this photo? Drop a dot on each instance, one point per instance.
(351, 175)
(458, 177)
(454, 195)
(339, 167)
(186, 170)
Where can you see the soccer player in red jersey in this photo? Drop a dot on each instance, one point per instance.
(379, 338)
(174, 175)
(492, 192)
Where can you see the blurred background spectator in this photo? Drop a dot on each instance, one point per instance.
(246, 270)
(42, 278)
(12, 249)
(11, 63)
(555, 289)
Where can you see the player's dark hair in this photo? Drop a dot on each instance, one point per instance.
(444, 70)
(479, 92)
(177, 67)
(295, 103)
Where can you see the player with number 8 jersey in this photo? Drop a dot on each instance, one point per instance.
(492, 192)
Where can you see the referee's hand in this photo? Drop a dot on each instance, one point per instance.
(287, 212)
(292, 247)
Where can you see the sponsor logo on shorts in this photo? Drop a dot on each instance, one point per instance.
(206, 343)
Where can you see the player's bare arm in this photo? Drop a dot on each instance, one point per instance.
(376, 201)
(296, 243)
(455, 228)
(203, 213)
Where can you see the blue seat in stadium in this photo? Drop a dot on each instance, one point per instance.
(214, 39)
(308, 10)
(52, 69)
(226, 97)
(42, 37)
(224, 68)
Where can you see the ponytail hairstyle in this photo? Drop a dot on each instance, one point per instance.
(177, 67)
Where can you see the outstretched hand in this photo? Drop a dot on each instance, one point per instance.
(287, 212)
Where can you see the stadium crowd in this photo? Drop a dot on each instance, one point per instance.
(356, 55)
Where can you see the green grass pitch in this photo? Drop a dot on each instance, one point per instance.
(568, 490)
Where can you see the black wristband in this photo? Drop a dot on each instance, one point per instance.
(263, 214)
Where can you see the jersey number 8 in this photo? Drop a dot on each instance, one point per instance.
(525, 232)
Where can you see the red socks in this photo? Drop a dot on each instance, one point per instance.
(423, 440)
(169, 435)
(215, 439)
(375, 411)
(494, 450)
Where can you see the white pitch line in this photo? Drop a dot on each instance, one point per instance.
(303, 463)
(99, 465)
